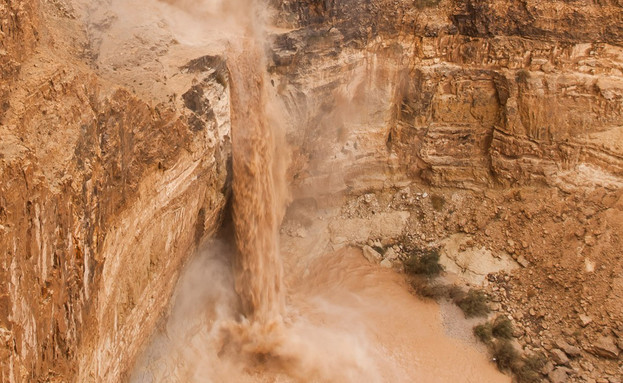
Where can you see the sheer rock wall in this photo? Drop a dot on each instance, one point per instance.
(475, 93)
(103, 196)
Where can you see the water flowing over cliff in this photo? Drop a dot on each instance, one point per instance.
(257, 204)
(212, 190)
(309, 339)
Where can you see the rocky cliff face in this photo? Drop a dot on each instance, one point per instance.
(114, 144)
(507, 113)
(474, 93)
(18, 33)
(103, 196)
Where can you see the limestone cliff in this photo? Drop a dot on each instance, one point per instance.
(103, 196)
(485, 106)
(18, 36)
(468, 93)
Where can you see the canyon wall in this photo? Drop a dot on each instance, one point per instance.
(114, 141)
(103, 196)
(459, 110)
(18, 36)
(468, 94)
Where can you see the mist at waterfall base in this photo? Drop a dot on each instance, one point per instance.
(345, 321)
(324, 337)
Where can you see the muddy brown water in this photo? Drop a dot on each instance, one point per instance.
(257, 201)
(346, 321)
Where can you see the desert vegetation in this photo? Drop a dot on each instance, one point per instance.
(498, 336)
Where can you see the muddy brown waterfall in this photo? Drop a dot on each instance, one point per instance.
(257, 195)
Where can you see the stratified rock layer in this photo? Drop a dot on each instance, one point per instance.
(103, 196)
(467, 94)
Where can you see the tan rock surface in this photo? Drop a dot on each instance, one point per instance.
(103, 196)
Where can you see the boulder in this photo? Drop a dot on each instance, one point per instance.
(585, 320)
(605, 347)
(391, 254)
(571, 351)
(559, 357)
(549, 367)
(558, 375)
(371, 255)
(523, 261)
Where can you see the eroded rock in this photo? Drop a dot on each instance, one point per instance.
(559, 357)
(558, 375)
(605, 347)
(371, 255)
(568, 349)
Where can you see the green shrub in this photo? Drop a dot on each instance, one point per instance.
(528, 370)
(456, 293)
(502, 328)
(425, 263)
(535, 361)
(505, 355)
(483, 332)
(474, 303)
(426, 289)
